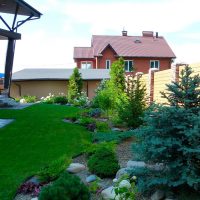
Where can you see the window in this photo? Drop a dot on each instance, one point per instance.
(128, 65)
(154, 64)
(108, 64)
(86, 65)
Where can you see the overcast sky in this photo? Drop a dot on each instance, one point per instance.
(49, 41)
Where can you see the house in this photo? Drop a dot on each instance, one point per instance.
(40, 82)
(139, 52)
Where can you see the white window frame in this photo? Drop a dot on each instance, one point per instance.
(108, 64)
(154, 64)
(86, 63)
(129, 65)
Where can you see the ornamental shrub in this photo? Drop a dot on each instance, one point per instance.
(60, 99)
(171, 136)
(112, 136)
(91, 148)
(75, 85)
(67, 187)
(102, 126)
(52, 171)
(103, 163)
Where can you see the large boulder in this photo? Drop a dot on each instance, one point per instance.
(125, 184)
(109, 193)
(123, 171)
(76, 167)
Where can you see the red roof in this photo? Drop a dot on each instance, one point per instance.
(83, 52)
(126, 46)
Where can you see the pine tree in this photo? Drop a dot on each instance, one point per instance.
(171, 136)
(131, 108)
(75, 85)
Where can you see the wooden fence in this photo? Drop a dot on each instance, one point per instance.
(156, 81)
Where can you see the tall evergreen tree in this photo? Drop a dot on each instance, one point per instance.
(75, 85)
(171, 136)
(132, 107)
(186, 92)
(117, 76)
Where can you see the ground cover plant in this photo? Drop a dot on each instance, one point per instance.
(36, 138)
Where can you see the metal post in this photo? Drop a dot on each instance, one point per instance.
(9, 66)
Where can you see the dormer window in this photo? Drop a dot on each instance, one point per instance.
(86, 65)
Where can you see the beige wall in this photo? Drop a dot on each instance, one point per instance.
(161, 78)
(43, 88)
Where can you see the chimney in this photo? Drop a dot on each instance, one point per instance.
(147, 33)
(124, 33)
(156, 34)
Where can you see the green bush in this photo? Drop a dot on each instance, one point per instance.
(53, 170)
(112, 136)
(84, 121)
(81, 100)
(67, 187)
(91, 148)
(103, 163)
(75, 85)
(27, 99)
(60, 99)
(48, 99)
(102, 126)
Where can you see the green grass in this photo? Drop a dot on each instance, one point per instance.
(36, 137)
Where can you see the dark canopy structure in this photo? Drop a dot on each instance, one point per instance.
(15, 8)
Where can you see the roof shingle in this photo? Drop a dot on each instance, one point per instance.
(127, 46)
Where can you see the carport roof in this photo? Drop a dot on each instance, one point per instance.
(58, 74)
(9, 6)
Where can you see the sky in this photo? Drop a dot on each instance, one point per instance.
(49, 41)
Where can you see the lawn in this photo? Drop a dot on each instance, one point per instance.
(36, 137)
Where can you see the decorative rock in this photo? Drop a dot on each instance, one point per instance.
(67, 120)
(122, 172)
(158, 195)
(116, 129)
(124, 183)
(22, 101)
(34, 180)
(77, 121)
(75, 167)
(109, 193)
(115, 180)
(135, 164)
(91, 178)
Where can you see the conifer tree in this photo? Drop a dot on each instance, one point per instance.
(131, 108)
(117, 76)
(75, 85)
(171, 136)
(186, 92)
